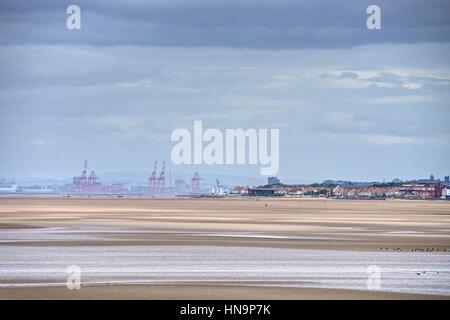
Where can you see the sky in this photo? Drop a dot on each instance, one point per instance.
(351, 103)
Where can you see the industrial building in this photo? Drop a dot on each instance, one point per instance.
(37, 190)
(157, 183)
(218, 189)
(85, 183)
(261, 192)
(273, 180)
(8, 186)
(446, 194)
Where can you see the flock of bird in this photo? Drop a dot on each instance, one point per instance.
(416, 249)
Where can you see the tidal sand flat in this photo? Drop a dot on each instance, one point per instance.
(213, 248)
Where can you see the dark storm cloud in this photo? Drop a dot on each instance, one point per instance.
(258, 24)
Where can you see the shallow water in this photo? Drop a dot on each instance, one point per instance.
(407, 272)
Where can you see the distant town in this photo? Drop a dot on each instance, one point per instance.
(88, 184)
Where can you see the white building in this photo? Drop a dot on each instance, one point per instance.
(12, 188)
(446, 193)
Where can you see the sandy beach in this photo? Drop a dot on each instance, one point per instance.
(223, 248)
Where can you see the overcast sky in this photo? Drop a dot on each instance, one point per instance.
(350, 103)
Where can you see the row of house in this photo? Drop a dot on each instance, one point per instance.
(404, 191)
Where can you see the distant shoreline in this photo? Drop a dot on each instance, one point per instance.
(237, 197)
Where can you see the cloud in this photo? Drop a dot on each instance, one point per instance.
(287, 24)
(40, 142)
(413, 85)
(385, 139)
(124, 123)
(130, 127)
(393, 140)
(411, 79)
(117, 105)
(339, 118)
(389, 140)
(348, 75)
(402, 99)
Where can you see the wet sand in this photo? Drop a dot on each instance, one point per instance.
(202, 292)
(383, 232)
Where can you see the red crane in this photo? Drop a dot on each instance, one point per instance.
(92, 182)
(195, 183)
(162, 179)
(85, 183)
(83, 178)
(152, 183)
